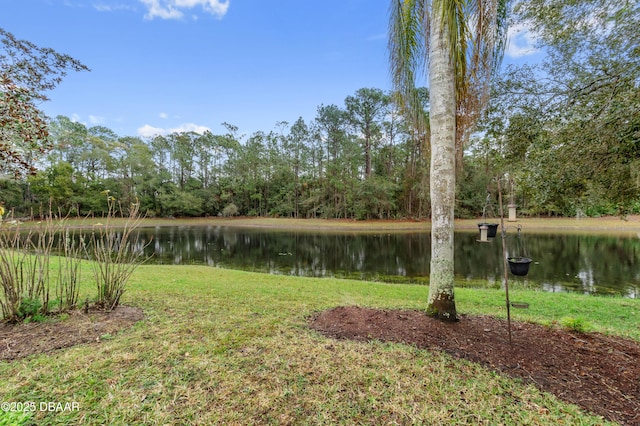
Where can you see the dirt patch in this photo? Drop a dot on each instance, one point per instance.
(21, 340)
(599, 373)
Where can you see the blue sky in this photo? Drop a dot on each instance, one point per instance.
(170, 65)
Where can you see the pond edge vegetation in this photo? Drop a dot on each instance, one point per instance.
(30, 255)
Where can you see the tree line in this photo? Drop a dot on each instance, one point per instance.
(565, 135)
(361, 160)
(356, 161)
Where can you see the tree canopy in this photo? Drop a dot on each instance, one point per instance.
(27, 72)
(569, 127)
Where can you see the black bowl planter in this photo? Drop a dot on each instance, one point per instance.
(493, 229)
(519, 265)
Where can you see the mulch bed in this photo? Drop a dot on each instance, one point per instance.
(599, 373)
(21, 340)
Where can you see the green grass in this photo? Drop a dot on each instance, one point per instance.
(231, 347)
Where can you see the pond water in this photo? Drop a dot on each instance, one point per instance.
(576, 263)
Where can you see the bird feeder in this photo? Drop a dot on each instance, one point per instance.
(519, 264)
(491, 228)
(483, 233)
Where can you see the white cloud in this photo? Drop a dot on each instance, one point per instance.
(163, 115)
(103, 7)
(91, 120)
(148, 131)
(215, 7)
(157, 10)
(190, 127)
(95, 119)
(173, 9)
(106, 6)
(521, 41)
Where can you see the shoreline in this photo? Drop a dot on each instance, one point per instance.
(601, 225)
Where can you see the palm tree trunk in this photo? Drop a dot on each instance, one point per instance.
(441, 302)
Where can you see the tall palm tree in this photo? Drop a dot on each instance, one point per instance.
(460, 43)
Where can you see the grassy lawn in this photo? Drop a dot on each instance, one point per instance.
(231, 347)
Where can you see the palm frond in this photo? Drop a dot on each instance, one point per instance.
(480, 54)
(408, 49)
(477, 32)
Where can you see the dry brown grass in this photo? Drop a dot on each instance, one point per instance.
(609, 224)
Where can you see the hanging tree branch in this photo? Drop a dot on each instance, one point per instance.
(26, 73)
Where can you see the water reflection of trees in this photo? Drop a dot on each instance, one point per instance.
(586, 264)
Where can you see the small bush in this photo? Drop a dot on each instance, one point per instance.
(579, 325)
(35, 318)
(29, 307)
(230, 210)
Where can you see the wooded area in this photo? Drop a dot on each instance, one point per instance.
(566, 133)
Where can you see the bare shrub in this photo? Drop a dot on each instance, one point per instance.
(70, 249)
(13, 258)
(25, 268)
(116, 252)
(27, 261)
